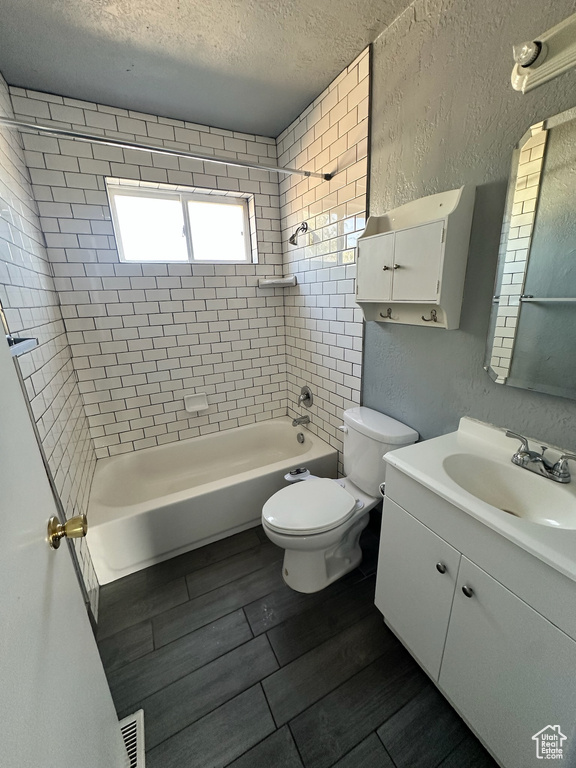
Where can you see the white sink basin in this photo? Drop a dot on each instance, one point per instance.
(471, 469)
(512, 489)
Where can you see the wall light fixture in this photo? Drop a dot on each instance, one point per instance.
(547, 56)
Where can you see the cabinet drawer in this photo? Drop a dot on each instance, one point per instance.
(411, 591)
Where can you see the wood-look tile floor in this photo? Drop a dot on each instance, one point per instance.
(232, 668)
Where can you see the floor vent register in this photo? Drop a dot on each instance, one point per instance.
(132, 729)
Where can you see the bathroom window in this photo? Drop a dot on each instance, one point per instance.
(153, 225)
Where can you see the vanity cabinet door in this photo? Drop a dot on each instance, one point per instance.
(508, 671)
(415, 584)
(418, 262)
(375, 268)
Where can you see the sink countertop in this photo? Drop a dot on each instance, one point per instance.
(424, 462)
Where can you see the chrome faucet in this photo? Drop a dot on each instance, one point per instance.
(301, 420)
(537, 462)
(305, 398)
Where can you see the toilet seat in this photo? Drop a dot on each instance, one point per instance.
(309, 507)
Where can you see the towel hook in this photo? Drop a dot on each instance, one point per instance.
(433, 317)
(388, 315)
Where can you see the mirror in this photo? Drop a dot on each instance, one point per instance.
(532, 334)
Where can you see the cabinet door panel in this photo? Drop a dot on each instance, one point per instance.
(413, 595)
(374, 282)
(417, 262)
(509, 671)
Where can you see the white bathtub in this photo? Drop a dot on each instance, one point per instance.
(153, 504)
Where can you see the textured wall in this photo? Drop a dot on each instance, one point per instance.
(31, 303)
(144, 334)
(444, 114)
(323, 322)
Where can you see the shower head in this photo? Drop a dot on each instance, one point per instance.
(293, 239)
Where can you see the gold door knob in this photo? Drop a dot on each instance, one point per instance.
(75, 528)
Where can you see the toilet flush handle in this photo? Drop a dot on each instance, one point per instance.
(343, 428)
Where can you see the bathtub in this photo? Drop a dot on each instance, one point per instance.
(150, 505)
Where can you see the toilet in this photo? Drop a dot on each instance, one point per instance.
(318, 521)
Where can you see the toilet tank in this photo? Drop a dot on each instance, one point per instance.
(368, 435)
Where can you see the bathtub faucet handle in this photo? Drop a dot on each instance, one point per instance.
(305, 397)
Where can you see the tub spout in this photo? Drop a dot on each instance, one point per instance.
(300, 421)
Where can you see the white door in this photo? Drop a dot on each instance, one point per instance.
(375, 268)
(417, 262)
(55, 706)
(415, 584)
(509, 671)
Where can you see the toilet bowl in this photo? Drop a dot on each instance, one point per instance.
(318, 521)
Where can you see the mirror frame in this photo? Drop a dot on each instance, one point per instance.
(507, 299)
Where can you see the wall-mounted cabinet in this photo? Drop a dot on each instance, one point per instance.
(412, 261)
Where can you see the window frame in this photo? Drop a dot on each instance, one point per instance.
(132, 190)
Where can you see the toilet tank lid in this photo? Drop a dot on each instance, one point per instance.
(379, 426)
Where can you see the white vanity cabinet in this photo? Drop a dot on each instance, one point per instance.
(507, 670)
(418, 569)
(412, 261)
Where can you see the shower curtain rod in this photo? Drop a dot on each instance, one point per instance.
(87, 137)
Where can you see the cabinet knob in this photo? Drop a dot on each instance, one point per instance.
(385, 269)
(468, 591)
(441, 568)
(397, 266)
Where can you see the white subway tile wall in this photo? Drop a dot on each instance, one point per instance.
(30, 299)
(143, 335)
(323, 322)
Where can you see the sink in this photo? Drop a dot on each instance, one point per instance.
(472, 471)
(512, 489)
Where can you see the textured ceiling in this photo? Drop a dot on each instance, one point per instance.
(245, 65)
